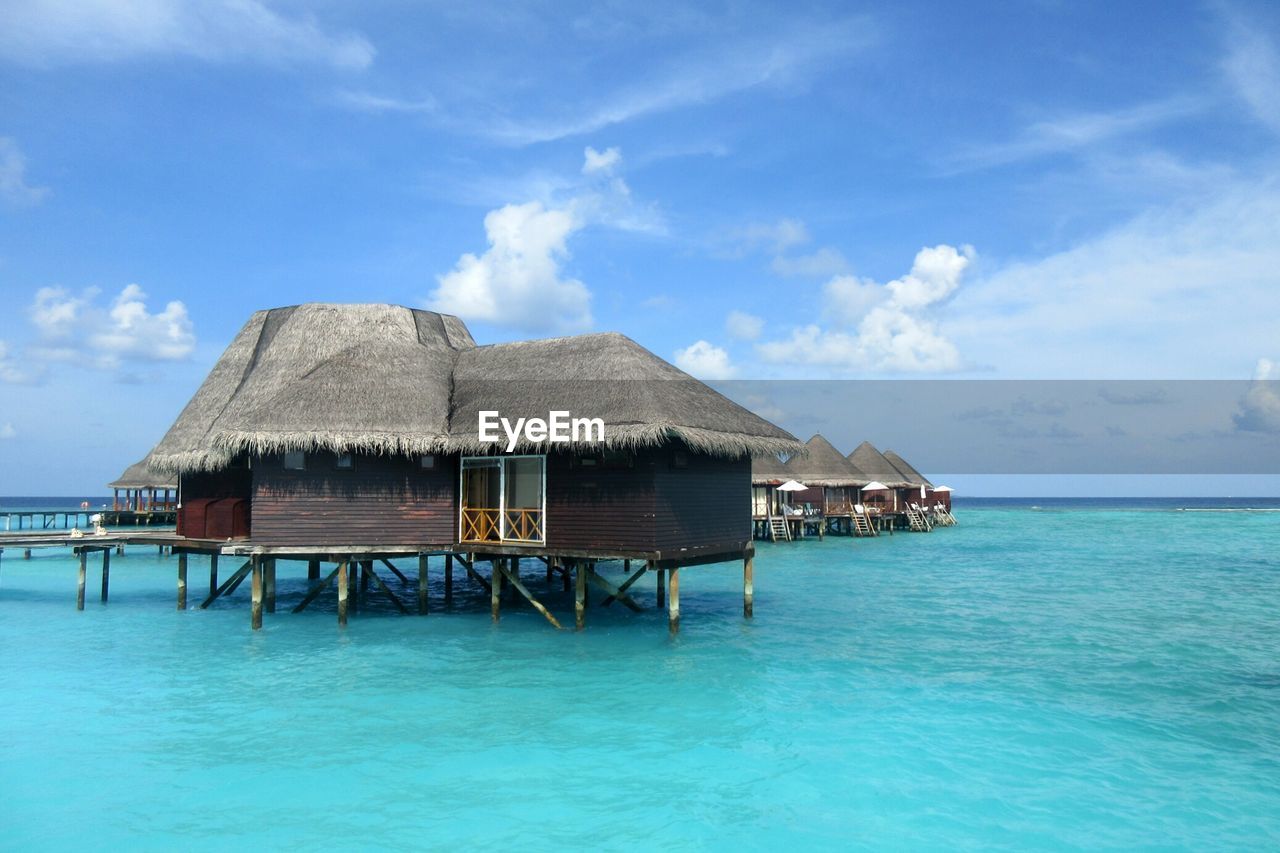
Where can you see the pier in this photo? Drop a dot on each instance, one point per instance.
(65, 519)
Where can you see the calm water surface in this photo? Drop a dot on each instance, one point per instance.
(1074, 675)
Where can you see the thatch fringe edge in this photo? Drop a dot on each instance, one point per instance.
(229, 443)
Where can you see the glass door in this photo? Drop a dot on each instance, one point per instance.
(503, 499)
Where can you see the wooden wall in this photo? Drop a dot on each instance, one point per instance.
(601, 507)
(384, 500)
(702, 505)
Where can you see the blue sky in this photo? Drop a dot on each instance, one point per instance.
(797, 190)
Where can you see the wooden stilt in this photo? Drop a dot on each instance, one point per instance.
(315, 592)
(255, 607)
(662, 582)
(475, 576)
(748, 582)
(313, 570)
(106, 573)
(84, 570)
(422, 584)
(580, 596)
(342, 593)
(232, 582)
(26, 554)
(673, 602)
(448, 579)
(564, 574)
(551, 569)
(213, 573)
(495, 589)
(626, 567)
(514, 579)
(182, 580)
(366, 568)
(269, 581)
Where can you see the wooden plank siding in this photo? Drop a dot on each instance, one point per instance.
(384, 500)
(703, 505)
(600, 507)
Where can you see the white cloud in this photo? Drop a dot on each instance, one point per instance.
(7, 431)
(1260, 409)
(517, 281)
(600, 161)
(54, 32)
(881, 327)
(1181, 292)
(705, 361)
(776, 237)
(74, 327)
(743, 326)
(13, 176)
(1253, 68)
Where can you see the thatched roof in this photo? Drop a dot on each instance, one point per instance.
(141, 476)
(910, 474)
(768, 469)
(823, 465)
(872, 461)
(388, 379)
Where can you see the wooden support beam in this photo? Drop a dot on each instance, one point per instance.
(448, 580)
(626, 585)
(213, 573)
(313, 570)
(106, 573)
(315, 591)
(626, 567)
(269, 583)
(182, 580)
(366, 568)
(342, 593)
(395, 571)
(475, 576)
(662, 590)
(673, 602)
(255, 607)
(580, 596)
(84, 567)
(748, 584)
(615, 593)
(231, 583)
(551, 568)
(495, 589)
(422, 584)
(537, 605)
(235, 582)
(373, 576)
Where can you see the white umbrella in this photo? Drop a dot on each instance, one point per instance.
(792, 486)
(943, 489)
(874, 485)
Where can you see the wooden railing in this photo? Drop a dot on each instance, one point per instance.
(482, 525)
(524, 525)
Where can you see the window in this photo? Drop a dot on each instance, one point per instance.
(295, 460)
(427, 462)
(345, 462)
(503, 499)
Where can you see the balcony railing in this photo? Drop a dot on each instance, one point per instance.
(481, 524)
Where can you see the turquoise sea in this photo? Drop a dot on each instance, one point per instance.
(1048, 674)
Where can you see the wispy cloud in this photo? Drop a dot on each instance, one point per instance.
(1252, 67)
(13, 176)
(60, 32)
(371, 103)
(778, 59)
(1072, 133)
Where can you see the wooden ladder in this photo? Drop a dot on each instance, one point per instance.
(915, 519)
(862, 525)
(778, 529)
